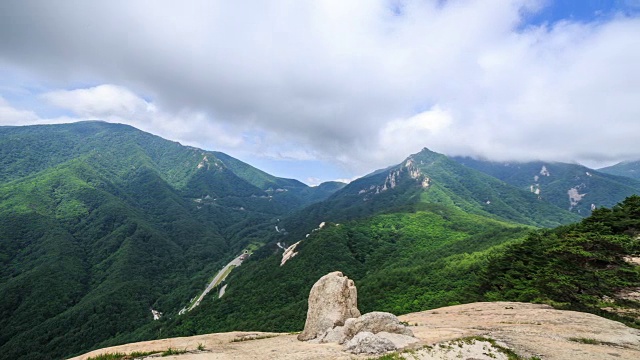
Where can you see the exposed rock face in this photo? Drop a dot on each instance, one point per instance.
(333, 299)
(368, 343)
(374, 322)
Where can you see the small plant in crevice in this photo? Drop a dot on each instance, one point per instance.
(171, 351)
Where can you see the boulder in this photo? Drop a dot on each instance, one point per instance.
(374, 322)
(333, 299)
(399, 341)
(369, 343)
(334, 335)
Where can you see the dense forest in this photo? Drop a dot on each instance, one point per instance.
(101, 223)
(583, 266)
(407, 260)
(433, 256)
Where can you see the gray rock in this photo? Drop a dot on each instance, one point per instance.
(374, 322)
(334, 335)
(369, 343)
(332, 300)
(399, 341)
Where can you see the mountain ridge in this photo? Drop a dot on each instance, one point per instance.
(101, 222)
(574, 187)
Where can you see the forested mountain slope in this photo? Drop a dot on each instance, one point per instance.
(101, 223)
(429, 177)
(421, 257)
(589, 266)
(626, 168)
(569, 186)
(435, 255)
(413, 236)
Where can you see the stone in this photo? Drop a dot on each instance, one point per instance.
(374, 322)
(399, 341)
(334, 335)
(333, 299)
(368, 343)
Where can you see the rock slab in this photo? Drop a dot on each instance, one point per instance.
(369, 343)
(333, 299)
(374, 322)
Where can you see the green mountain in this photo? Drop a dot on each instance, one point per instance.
(413, 236)
(569, 186)
(426, 256)
(101, 223)
(434, 255)
(626, 168)
(429, 177)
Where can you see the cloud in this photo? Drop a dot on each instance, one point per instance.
(12, 116)
(345, 81)
(118, 104)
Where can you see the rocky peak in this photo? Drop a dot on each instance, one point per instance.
(409, 168)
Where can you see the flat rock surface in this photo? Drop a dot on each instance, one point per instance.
(528, 329)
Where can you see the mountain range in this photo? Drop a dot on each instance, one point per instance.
(101, 224)
(568, 186)
(626, 168)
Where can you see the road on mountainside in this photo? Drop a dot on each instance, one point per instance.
(222, 274)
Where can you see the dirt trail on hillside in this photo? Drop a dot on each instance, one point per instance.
(528, 329)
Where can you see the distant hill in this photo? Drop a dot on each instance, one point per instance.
(569, 186)
(100, 223)
(429, 177)
(626, 168)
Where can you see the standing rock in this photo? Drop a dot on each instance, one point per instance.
(333, 299)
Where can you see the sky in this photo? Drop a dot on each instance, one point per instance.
(325, 90)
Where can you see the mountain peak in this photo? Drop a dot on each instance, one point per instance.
(426, 155)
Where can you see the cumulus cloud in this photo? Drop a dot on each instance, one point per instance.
(118, 104)
(345, 81)
(12, 116)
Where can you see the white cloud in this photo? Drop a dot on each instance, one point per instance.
(100, 102)
(401, 137)
(118, 104)
(12, 116)
(341, 80)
